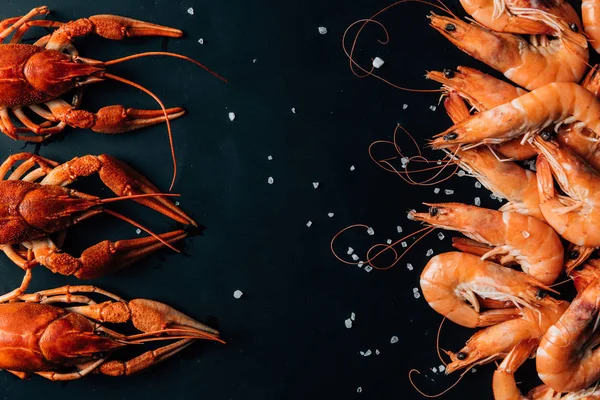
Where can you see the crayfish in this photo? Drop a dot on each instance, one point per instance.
(37, 336)
(33, 77)
(35, 202)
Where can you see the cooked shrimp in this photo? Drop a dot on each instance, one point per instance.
(557, 102)
(452, 281)
(577, 255)
(503, 383)
(586, 274)
(530, 65)
(576, 215)
(518, 238)
(568, 358)
(496, 341)
(590, 13)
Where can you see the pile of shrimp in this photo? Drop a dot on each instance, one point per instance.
(547, 112)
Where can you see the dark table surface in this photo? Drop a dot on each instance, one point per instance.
(286, 337)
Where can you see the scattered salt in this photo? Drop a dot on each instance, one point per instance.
(417, 295)
(177, 203)
(477, 201)
(442, 368)
(432, 108)
(254, 60)
(473, 370)
(359, 389)
(409, 266)
(201, 41)
(270, 181)
(368, 268)
(231, 116)
(403, 244)
(352, 168)
(404, 106)
(434, 370)
(478, 185)
(330, 215)
(439, 162)
(448, 191)
(377, 352)
(389, 241)
(399, 229)
(404, 160)
(138, 231)
(371, 231)
(360, 264)
(294, 110)
(348, 323)
(394, 340)
(377, 62)
(429, 252)
(441, 236)
(415, 290)
(525, 234)
(461, 173)
(315, 184)
(367, 353)
(492, 196)
(436, 190)
(322, 30)
(350, 251)
(309, 224)
(270, 158)
(237, 294)
(352, 316)
(190, 11)
(354, 257)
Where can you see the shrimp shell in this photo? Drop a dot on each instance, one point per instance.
(590, 13)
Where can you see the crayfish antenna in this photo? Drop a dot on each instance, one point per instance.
(138, 196)
(139, 226)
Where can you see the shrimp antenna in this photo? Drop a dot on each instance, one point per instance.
(163, 53)
(431, 396)
(164, 110)
(139, 226)
(138, 196)
(426, 231)
(437, 342)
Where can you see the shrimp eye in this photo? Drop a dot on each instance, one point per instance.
(547, 136)
(450, 136)
(450, 27)
(433, 211)
(574, 27)
(461, 355)
(448, 73)
(540, 294)
(573, 254)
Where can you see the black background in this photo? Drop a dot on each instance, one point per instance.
(286, 337)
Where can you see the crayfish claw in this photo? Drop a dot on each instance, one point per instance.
(118, 28)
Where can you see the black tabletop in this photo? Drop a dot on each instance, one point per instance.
(294, 100)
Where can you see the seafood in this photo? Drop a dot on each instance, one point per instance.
(590, 14)
(567, 358)
(452, 282)
(575, 215)
(39, 336)
(33, 211)
(35, 76)
(515, 237)
(504, 384)
(557, 102)
(530, 65)
(577, 255)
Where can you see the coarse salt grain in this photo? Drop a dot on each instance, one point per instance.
(389, 241)
(350, 251)
(415, 290)
(322, 30)
(473, 370)
(404, 106)
(417, 295)
(429, 252)
(371, 231)
(309, 224)
(436, 190)
(177, 203)
(399, 229)
(270, 181)
(352, 316)
(330, 215)
(352, 168)
(432, 108)
(477, 201)
(441, 236)
(442, 368)
(270, 158)
(492, 196)
(348, 323)
(461, 173)
(231, 116)
(448, 191)
(404, 244)
(409, 266)
(237, 294)
(368, 268)
(359, 389)
(138, 231)
(434, 370)
(478, 185)
(254, 61)
(315, 184)
(368, 353)
(294, 110)
(201, 41)
(377, 62)
(377, 352)
(190, 11)
(394, 340)
(525, 234)
(354, 257)
(362, 353)
(360, 264)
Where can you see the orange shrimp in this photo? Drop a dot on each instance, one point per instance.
(576, 215)
(568, 358)
(586, 274)
(503, 383)
(557, 102)
(452, 282)
(530, 65)
(577, 255)
(496, 341)
(518, 238)
(590, 13)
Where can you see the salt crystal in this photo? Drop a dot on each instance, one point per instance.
(362, 353)
(409, 266)
(442, 368)
(474, 370)
(231, 116)
(394, 340)
(403, 244)
(270, 158)
(177, 203)
(368, 268)
(404, 106)
(448, 191)
(492, 196)
(371, 231)
(237, 294)
(404, 160)
(138, 231)
(399, 229)
(270, 181)
(309, 224)
(417, 295)
(377, 62)
(350, 251)
(477, 201)
(441, 236)
(201, 41)
(360, 264)
(368, 353)
(436, 190)
(322, 30)
(354, 257)
(478, 185)
(359, 389)
(434, 370)
(461, 173)
(439, 162)
(377, 352)
(348, 323)
(525, 234)
(410, 214)
(432, 108)
(254, 61)
(429, 252)
(352, 168)
(190, 11)
(330, 215)
(415, 290)
(294, 110)
(389, 241)
(352, 316)
(315, 184)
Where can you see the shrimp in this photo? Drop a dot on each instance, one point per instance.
(577, 255)
(557, 102)
(496, 341)
(576, 215)
(530, 65)
(585, 275)
(590, 13)
(503, 383)
(519, 238)
(568, 359)
(451, 283)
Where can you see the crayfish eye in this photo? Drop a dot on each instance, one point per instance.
(573, 254)
(433, 211)
(461, 355)
(450, 27)
(546, 136)
(448, 73)
(574, 27)
(540, 294)
(450, 136)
